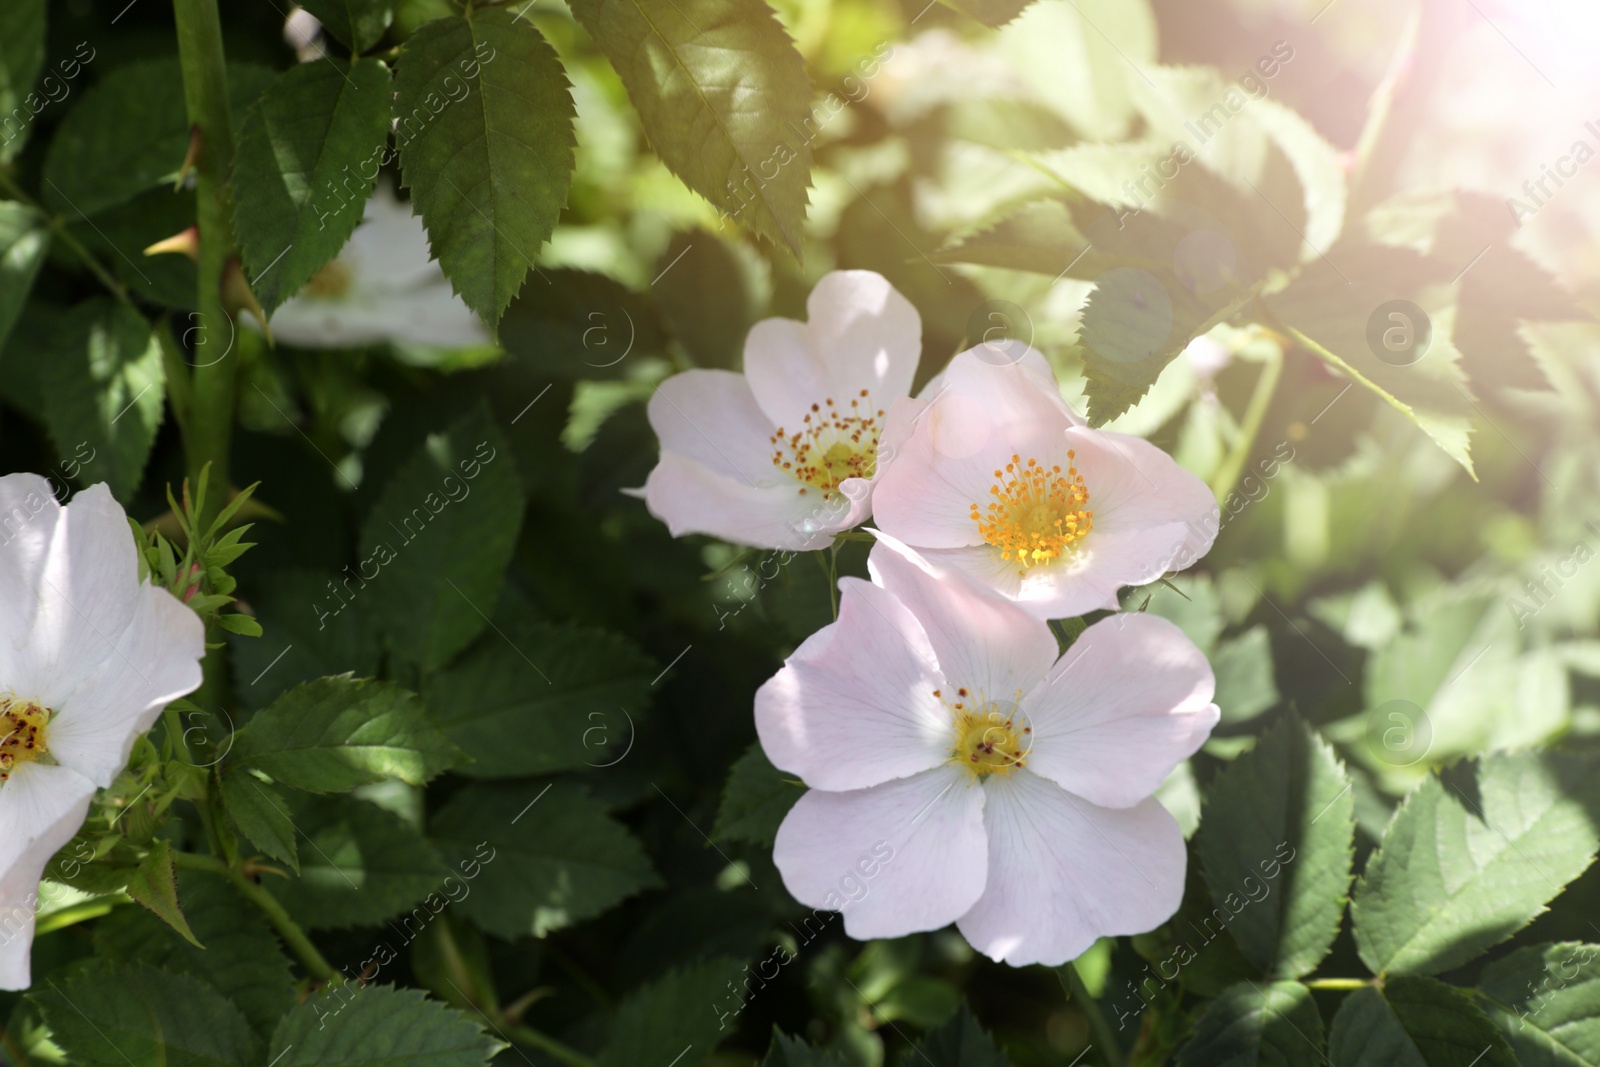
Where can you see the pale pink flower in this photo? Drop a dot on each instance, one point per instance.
(784, 455)
(996, 477)
(89, 656)
(961, 772)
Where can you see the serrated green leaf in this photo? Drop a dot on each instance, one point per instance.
(1243, 667)
(1546, 1001)
(484, 126)
(755, 799)
(1278, 822)
(1040, 236)
(300, 173)
(23, 244)
(1249, 1025)
(1464, 866)
(155, 885)
(359, 864)
(360, 24)
(677, 1015)
(554, 857)
(311, 626)
(724, 99)
(438, 541)
(529, 700)
(960, 1042)
(368, 1026)
(262, 816)
(103, 387)
(704, 298)
(242, 957)
(577, 324)
(786, 1051)
(333, 734)
(128, 133)
(1415, 1022)
(22, 33)
(109, 1016)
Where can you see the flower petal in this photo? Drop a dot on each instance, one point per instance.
(1063, 872)
(157, 660)
(1133, 485)
(711, 417)
(905, 856)
(691, 498)
(854, 706)
(1130, 700)
(981, 640)
(860, 335)
(978, 414)
(41, 807)
(28, 517)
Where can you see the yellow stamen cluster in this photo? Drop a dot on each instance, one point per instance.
(1037, 511)
(988, 739)
(21, 733)
(832, 444)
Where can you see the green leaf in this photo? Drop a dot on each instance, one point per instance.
(312, 626)
(155, 885)
(109, 1016)
(242, 957)
(1278, 822)
(788, 1051)
(262, 816)
(437, 542)
(990, 12)
(1415, 1022)
(360, 24)
(23, 244)
(1243, 667)
(333, 734)
(554, 857)
(960, 1042)
(669, 1017)
(379, 1025)
(300, 173)
(576, 324)
(529, 700)
(104, 388)
(22, 33)
(755, 800)
(724, 99)
(129, 132)
(1277, 1023)
(484, 120)
(1546, 1001)
(359, 864)
(704, 298)
(1330, 308)
(1464, 866)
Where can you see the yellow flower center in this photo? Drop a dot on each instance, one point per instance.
(21, 733)
(1037, 511)
(833, 444)
(988, 738)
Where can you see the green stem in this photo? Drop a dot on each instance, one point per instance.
(60, 920)
(293, 936)
(62, 234)
(1227, 475)
(205, 90)
(1098, 1023)
(1339, 983)
(522, 1035)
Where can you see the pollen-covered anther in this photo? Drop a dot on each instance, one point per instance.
(22, 733)
(1036, 513)
(832, 444)
(989, 738)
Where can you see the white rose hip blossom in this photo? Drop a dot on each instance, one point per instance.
(1012, 789)
(89, 656)
(996, 477)
(784, 455)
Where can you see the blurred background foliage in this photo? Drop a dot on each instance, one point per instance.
(1414, 604)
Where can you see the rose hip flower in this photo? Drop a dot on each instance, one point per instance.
(999, 479)
(1009, 789)
(89, 656)
(784, 455)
